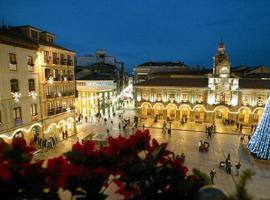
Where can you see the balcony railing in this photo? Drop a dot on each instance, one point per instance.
(58, 110)
(70, 63)
(56, 78)
(66, 93)
(63, 62)
(51, 95)
(70, 78)
(51, 112)
(18, 122)
(56, 61)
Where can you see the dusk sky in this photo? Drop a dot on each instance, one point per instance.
(158, 30)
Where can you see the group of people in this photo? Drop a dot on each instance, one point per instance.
(203, 146)
(46, 143)
(210, 130)
(228, 167)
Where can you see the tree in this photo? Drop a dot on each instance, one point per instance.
(259, 144)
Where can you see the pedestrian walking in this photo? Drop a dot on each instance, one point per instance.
(143, 127)
(238, 166)
(63, 134)
(108, 132)
(212, 175)
(111, 122)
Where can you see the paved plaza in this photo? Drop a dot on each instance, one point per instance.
(182, 140)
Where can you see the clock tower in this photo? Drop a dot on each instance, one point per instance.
(222, 66)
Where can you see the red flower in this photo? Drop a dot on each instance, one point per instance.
(140, 140)
(55, 169)
(6, 173)
(87, 148)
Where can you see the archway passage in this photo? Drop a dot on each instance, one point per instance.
(184, 113)
(171, 111)
(146, 109)
(199, 114)
(158, 111)
(221, 115)
(257, 115)
(243, 116)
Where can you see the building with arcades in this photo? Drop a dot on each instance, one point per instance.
(204, 96)
(37, 93)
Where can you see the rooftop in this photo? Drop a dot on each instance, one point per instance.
(176, 82)
(14, 36)
(95, 76)
(178, 63)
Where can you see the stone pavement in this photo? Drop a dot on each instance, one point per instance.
(187, 141)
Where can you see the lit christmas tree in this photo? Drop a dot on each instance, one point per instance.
(259, 144)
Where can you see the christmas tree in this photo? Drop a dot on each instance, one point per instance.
(259, 144)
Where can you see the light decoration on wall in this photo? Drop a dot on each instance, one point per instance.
(32, 94)
(50, 80)
(16, 95)
(260, 140)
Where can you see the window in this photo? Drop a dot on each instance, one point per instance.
(34, 109)
(46, 57)
(55, 74)
(34, 34)
(47, 74)
(69, 60)
(31, 85)
(55, 59)
(14, 84)
(30, 60)
(12, 58)
(50, 39)
(62, 57)
(17, 113)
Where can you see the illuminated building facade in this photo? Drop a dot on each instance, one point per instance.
(208, 98)
(37, 95)
(96, 94)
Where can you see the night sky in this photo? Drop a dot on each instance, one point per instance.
(136, 31)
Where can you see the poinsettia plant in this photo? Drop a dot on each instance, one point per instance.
(140, 167)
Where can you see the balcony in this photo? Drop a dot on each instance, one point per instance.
(50, 95)
(18, 122)
(56, 78)
(13, 66)
(63, 62)
(70, 63)
(51, 112)
(56, 61)
(58, 110)
(71, 93)
(66, 93)
(70, 78)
